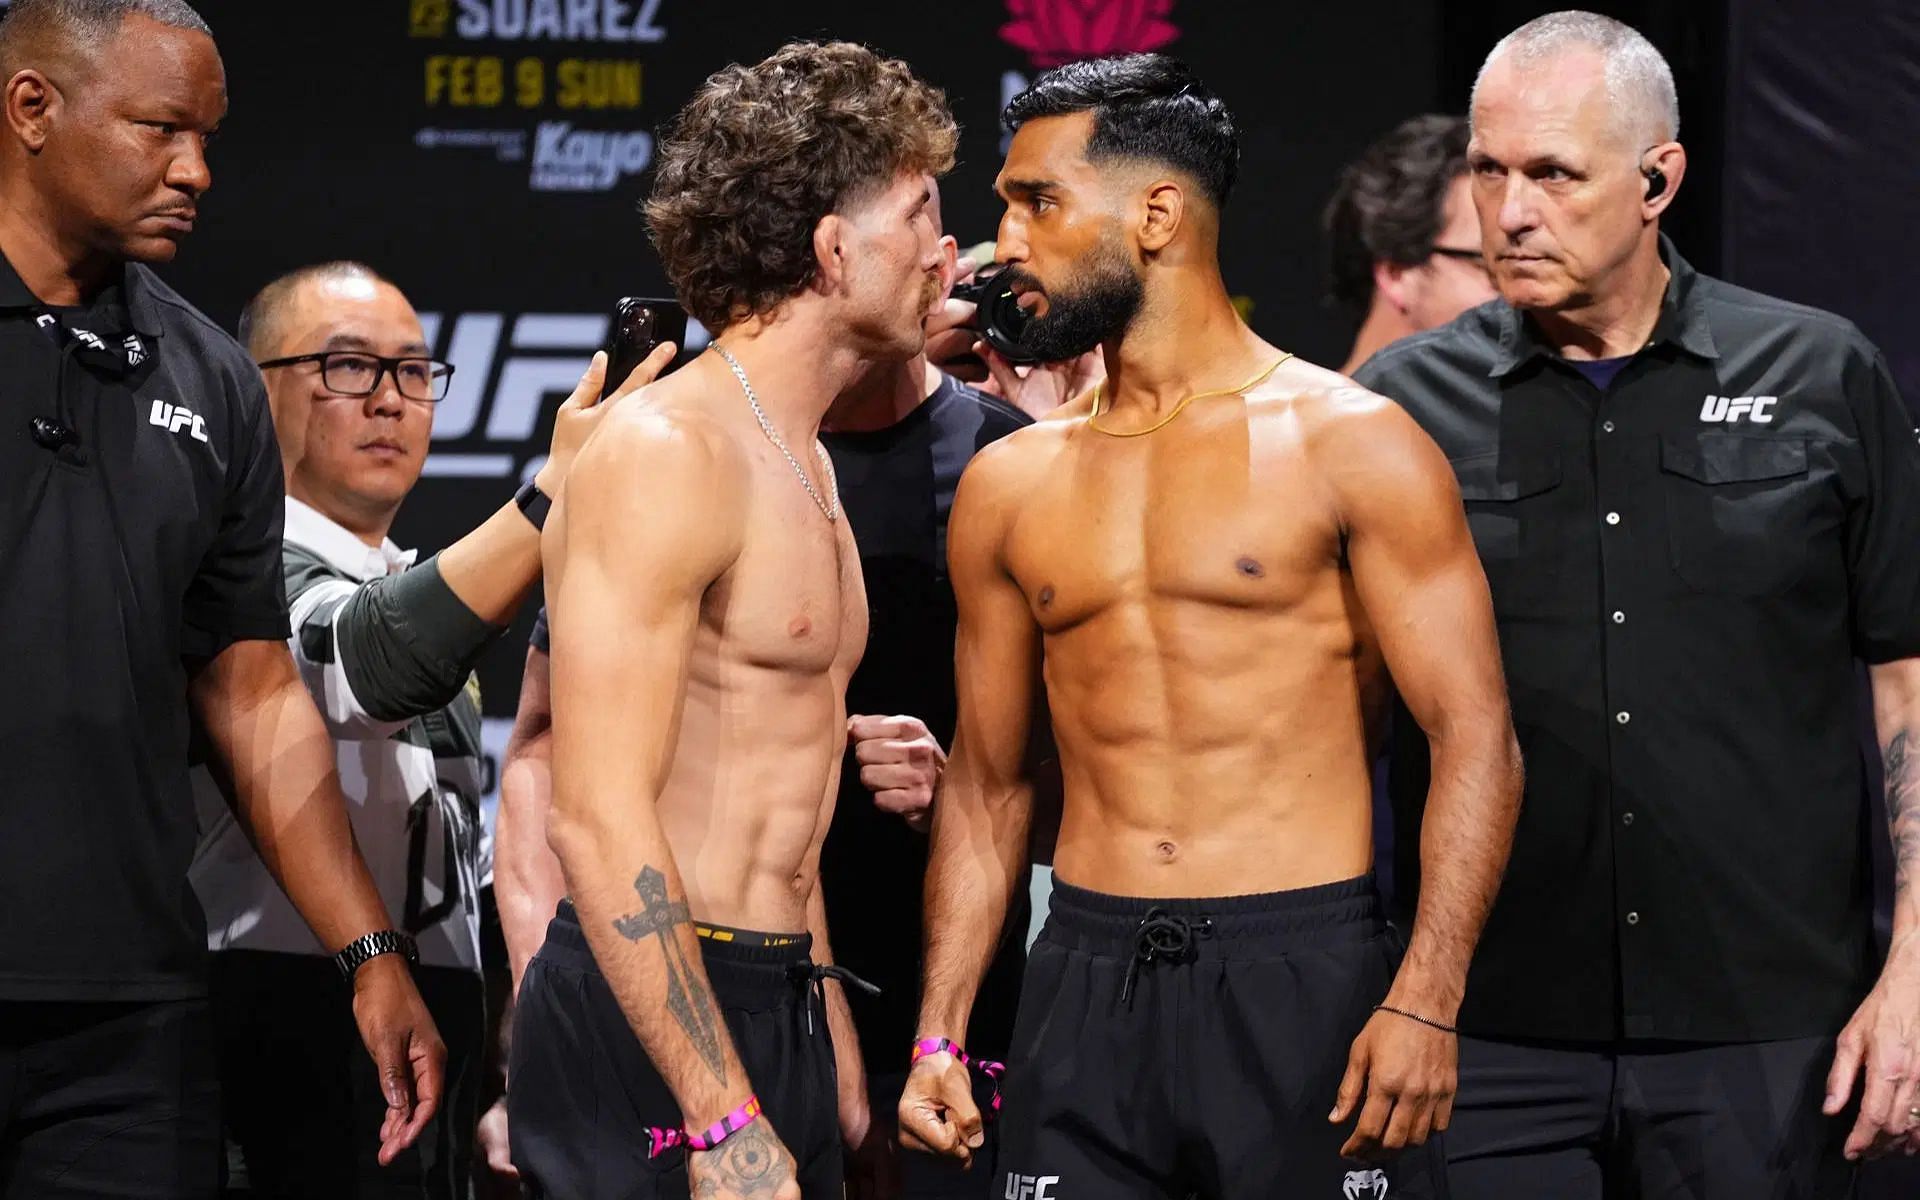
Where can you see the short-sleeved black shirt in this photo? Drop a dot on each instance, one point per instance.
(149, 545)
(1684, 569)
(896, 488)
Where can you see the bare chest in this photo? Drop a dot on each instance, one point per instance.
(1215, 517)
(793, 601)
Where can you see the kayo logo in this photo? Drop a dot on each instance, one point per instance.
(1031, 1187)
(1365, 1185)
(566, 159)
(1731, 408)
(175, 417)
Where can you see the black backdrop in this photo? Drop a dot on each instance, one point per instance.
(380, 131)
(489, 155)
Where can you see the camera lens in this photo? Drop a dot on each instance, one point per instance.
(997, 317)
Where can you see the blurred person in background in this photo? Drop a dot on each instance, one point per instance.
(1403, 237)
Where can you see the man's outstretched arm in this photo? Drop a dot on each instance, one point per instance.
(1419, 579)
(653, 513)
(983, 809)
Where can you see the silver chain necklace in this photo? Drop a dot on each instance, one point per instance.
(830, 508)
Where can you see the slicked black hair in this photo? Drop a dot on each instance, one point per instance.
(1145, 106)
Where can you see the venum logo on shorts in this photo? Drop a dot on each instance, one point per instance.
(1031, 1187)
(1365, 1185)
(1729, 409)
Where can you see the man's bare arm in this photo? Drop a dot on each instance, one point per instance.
(527, 881)
(1420, 581)
(985, 803)
(653, 514)
(1883, 1037)
(1418, 577)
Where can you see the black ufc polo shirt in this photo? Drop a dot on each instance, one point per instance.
(1684, 569)
(147, 545)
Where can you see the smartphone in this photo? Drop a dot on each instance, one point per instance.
(638, 325)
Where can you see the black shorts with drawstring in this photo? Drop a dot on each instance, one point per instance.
(582, 1093)
(1175, 1048)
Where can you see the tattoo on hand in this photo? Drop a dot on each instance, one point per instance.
(689, 1002)
(1903, 808)
(747, 1164)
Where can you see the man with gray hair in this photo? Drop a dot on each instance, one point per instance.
(143, 623)
(1696, 506)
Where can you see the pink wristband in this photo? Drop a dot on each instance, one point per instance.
(991, 1070)
(666, 1139)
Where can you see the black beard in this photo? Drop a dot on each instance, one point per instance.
(1097, 306)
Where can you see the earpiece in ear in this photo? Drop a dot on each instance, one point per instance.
(1656, 182)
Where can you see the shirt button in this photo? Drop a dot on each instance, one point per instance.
(1626, 818)
(1623, 716)
(1633, 918)
(1613, 518)
(1606, 426)
(1619, 618)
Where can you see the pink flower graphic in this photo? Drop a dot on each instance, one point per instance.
(1058, 31)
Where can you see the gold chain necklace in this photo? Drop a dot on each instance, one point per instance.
(1178, 408)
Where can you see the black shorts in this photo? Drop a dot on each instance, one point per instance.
(1208, 1066)
(108, 1099)
(581, 1092)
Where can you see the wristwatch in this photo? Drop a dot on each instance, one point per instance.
(533, 503)
(372, 945)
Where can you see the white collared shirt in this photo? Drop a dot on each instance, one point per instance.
(412, 787)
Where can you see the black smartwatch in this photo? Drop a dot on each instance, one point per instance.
(533, 503)
(373, 945)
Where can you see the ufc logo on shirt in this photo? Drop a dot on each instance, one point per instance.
(175, 417)
(1031, 1187)
(1731, 408)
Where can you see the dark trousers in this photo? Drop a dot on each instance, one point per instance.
(108, 1100)
(1646, 1121)
(302, 1098)
(582, 1093)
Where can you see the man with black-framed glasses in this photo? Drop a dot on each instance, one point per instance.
(1403, 238)
(387, 649)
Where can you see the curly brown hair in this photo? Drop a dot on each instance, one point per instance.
(762, 153)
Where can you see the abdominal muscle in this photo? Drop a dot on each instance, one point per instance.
(745, 792)
(1190, 775)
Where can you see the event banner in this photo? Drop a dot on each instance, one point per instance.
(490, 156)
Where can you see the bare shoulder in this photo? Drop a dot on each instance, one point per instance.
(1346, 430)
(662, 437)
(1007, 469)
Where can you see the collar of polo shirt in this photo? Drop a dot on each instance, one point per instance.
(16, 299)
(308, 526)
(1682, 323)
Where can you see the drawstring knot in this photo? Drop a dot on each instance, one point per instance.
(1163, 936)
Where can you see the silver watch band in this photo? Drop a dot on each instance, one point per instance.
(372, 945)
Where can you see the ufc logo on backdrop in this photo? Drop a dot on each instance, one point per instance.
(1031, 1187)
(1731, 408)
(175, 417)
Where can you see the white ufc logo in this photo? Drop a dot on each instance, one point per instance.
(175, 417)
(1031, 1187)
(1731, 408)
